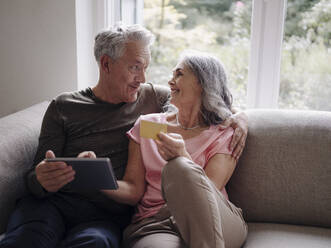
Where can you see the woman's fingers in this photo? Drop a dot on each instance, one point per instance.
(169, 138)
(172, 141)
(171, 145)
(164, 151)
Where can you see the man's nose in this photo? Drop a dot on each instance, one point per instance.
(141, 77)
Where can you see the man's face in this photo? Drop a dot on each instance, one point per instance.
(128, 72)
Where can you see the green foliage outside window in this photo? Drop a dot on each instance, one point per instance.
(306, 71)
(223, 28)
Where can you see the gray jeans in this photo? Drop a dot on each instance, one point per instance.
(196, 215)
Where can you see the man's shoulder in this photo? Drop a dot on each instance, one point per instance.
(157, 93)
(68, 103)
(67, 97)
(150, 88)
(63, 97)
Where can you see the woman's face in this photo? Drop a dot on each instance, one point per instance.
(184, 86)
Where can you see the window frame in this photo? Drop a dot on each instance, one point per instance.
(267, 31)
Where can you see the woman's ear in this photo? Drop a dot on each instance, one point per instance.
(105, 63)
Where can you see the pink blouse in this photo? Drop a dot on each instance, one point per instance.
(201, 148)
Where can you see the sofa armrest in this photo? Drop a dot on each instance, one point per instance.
(19, 134)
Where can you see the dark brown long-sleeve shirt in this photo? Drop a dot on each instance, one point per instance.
(79, 121)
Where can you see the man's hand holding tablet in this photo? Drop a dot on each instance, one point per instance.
(85, 172)
(53, 175)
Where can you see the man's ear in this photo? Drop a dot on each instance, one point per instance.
(105, 63)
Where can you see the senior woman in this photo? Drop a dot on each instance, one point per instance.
(179, 180)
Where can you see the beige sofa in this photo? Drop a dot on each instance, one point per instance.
(282, 181)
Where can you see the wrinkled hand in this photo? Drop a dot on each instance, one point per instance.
(53, 175)
(239, 122)
(171, 146)
(87, 154)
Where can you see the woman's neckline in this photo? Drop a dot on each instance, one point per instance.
(165, 117)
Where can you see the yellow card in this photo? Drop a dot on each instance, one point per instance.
(150, 129)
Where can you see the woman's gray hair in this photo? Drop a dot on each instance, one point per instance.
(112, 42)
(216, 97)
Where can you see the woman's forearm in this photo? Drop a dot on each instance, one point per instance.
(127, 193)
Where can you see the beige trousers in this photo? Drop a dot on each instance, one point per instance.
(196, 215)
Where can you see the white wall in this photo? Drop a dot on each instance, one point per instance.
(90, 20)
(38, 57)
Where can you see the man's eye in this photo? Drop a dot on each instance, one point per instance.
(134, 67)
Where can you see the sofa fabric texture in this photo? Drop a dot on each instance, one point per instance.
(282, 181)
(284, 173)
(19, 134)
(266, 235)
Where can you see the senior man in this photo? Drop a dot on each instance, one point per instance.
(95, 119)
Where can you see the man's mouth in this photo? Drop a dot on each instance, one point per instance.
(134, 87)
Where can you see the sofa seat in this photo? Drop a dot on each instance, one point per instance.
(270, 235)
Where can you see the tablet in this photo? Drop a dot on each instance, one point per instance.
(91, 173)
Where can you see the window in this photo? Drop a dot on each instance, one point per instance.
(284, 43)
(219, 27)
(305, 81)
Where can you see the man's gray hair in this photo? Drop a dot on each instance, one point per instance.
(216, 97)
(112, 42)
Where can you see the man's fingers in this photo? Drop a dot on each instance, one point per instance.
(54, 185)
(51, 166)
(57, 173)
(51, 179)
(237, 151)
(49, 154)
(87, 154)
(239, 148)
(64, 179)
(227, 122)
(235, 138)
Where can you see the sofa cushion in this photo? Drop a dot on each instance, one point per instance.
(265, 235)
(284, 173)
(18, 143)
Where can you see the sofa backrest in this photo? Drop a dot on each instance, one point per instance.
(19, 134)
(284, 173)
